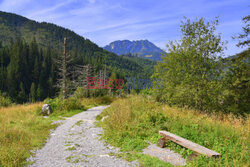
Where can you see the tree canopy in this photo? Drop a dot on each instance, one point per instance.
(193, 74)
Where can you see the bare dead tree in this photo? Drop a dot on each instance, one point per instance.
(82, 73)
(64, 73)
(104, 75)
(88, 72)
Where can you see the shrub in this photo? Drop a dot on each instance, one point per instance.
(4, 101)
(106, 100)
(80, 93)
(55, 104)
(71, 103)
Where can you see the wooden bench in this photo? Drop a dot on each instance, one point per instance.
(186, 143)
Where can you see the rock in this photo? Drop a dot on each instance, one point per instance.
(104, 118)
(46, 109)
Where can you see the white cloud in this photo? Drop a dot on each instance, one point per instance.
(47, 12)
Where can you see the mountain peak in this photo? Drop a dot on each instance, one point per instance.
(141, 48)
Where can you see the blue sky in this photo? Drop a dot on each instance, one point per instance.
(104, 21)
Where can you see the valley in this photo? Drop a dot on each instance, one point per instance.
(66, 101)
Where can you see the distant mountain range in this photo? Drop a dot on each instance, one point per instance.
(140, 48)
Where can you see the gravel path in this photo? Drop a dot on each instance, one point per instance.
(76, 143)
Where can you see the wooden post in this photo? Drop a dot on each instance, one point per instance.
(161, 142)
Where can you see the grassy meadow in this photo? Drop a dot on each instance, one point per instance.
(135, 121)
(22, 128)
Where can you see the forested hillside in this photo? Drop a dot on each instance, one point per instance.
(14, 27)
(28, 54)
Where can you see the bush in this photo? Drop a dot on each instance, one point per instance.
(71, 103)
(80, 93)
(4, 101)
(55, 104)
(106, 100)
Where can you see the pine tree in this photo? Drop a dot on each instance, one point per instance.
(22, 94)
(39, 93)
(33, 92)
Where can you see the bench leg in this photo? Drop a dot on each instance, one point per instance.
(161, 142)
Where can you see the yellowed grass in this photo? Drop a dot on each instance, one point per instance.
(239, 124)
(21, 129)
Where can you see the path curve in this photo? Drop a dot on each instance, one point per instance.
(76, 143)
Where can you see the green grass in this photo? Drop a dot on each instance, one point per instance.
(78, 123)
(72, 106)
(134, 121)
(76, 159)
(22, 128)
(70, 148)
